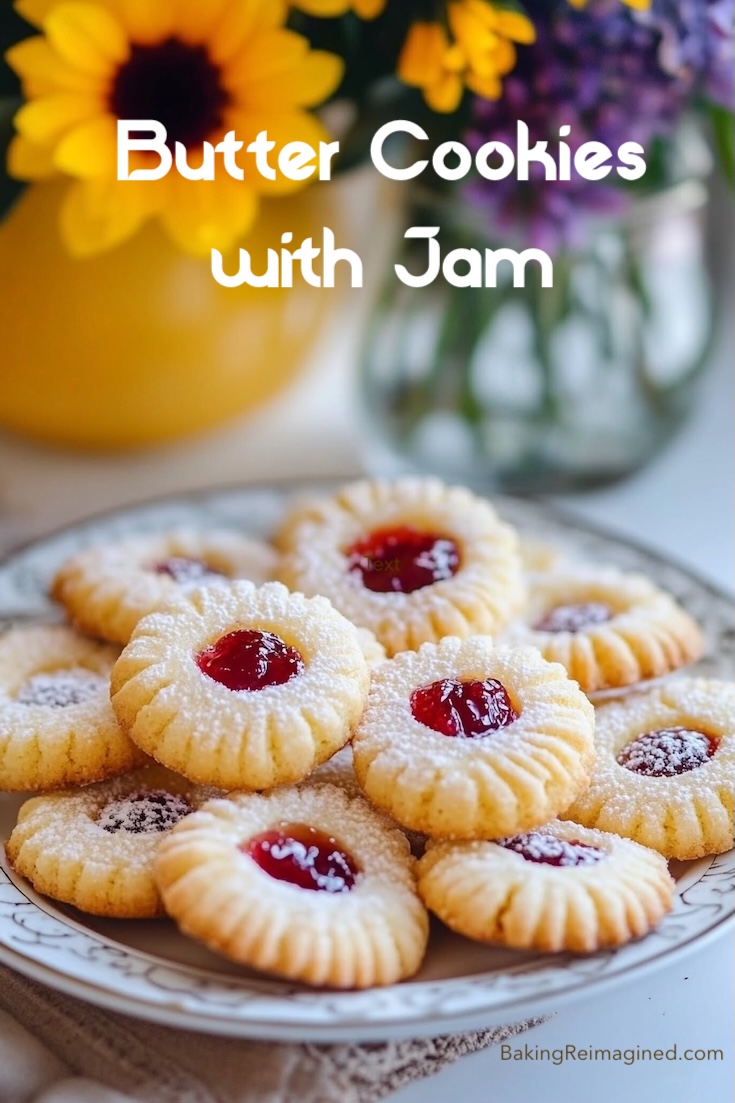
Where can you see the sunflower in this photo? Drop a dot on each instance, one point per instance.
(474, 50)
(201, 69)
(327, 9)
(637, 5)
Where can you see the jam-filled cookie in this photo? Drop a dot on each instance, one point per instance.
(57, 727)
(561, 887)
(306, 883)
(94, 847)
(464, 740)
(413, 560)
(609, 629)
(242, 687)
(107, 589)
(665, 769)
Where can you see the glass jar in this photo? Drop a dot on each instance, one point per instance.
(532, 389)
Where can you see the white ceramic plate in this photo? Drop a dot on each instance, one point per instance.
(148, 970)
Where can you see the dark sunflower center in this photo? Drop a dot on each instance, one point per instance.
(174, 83)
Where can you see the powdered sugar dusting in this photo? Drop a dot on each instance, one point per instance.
(62, 688)
(144, 812)
(186, 571)
(549, 851)
(573, 618)
(667, 752)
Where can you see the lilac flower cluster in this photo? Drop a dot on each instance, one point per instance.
(697, 44)
(613, 75)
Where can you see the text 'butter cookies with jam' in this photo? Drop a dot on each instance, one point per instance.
(410, 559)
(242, 687)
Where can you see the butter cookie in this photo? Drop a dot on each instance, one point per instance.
(94, 847)
(57, 727)
(561, 887)
(464, 740)
(412, 560)
(665, 769)
(242, 687)
(306, 883)
(107, 589)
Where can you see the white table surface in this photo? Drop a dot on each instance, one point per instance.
(682, 504)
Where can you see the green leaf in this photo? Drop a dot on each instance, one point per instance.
(723, 128)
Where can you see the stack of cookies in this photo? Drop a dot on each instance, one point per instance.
(297, 751)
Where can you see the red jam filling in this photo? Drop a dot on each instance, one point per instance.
(304, 857)
(547, 850)
(573, 618)
(667, 752)
(403, 560)
(250, 660)
(186, 571)
(467, 709)
(144, 812)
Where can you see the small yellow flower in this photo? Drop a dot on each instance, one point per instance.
(201, 69)
(327, 9)
(476, 52)
(638, 5)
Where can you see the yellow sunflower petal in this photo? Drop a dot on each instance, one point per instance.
(504, 57)
(148, 21)
(241, 20)
(369, 9)
(422, 56)
(515, 25)
(476, 34)
(89, 150)
(34, 11)
(44, 120)
(26, 161)
(88, 37)
(325, 9)
(487, 87)
(290, 126)
(43, 72)
(97, 215)
(268, 54)
(445, 94)
(204, 215)
(306, 82)
(195, 21)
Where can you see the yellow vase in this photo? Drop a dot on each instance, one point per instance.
(141, 345)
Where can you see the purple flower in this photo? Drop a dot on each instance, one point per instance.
(697, 44)
(549, 215)
(614, 75)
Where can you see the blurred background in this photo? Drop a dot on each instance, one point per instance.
(126, 372)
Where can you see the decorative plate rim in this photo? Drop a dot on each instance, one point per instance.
(43, 942)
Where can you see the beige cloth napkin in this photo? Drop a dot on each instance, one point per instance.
(155, 1064)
